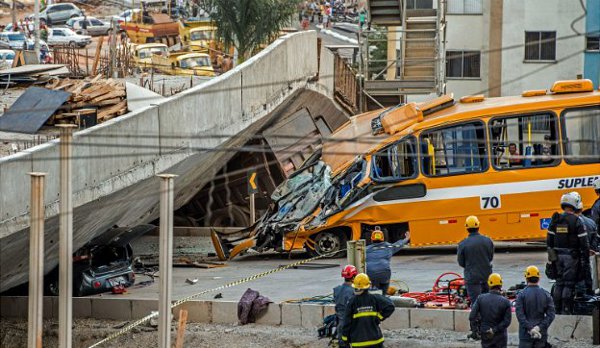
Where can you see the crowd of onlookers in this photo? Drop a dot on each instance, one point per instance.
(325, 11)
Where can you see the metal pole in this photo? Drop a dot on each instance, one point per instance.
(36, 261)
(361, 257)
(36, 26)
(65, 270)
(165, 260)
(14, 14)
(252, 209)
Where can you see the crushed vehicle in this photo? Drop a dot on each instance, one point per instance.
(142, 54)
(425, 167)
(102, 264)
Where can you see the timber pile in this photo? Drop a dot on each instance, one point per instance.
(106, 98)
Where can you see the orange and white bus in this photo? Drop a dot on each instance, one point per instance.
(425, 167)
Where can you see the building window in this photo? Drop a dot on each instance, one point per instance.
(465, 7)
(540, 45)
(463, 64)
(581, 131)
(592, 43)
(419, 4)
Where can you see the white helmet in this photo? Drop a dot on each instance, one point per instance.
(571, 199)
(578, 197)
(597, 184)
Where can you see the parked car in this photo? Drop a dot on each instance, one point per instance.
(66, 36)
(58, 13)
(16, 40)
(6, 58)
(94, 26)
(103, 263)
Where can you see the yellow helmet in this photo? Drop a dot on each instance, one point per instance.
(532, 271)
(361, 282)
(377, 235)
(494, 280)
(472, 222)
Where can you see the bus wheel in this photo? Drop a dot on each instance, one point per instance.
(327, 242)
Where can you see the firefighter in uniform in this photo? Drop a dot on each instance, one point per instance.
(595, 213)
(341, 296)
(535, 312)
(475, 255)
(378, 254)
(364, 313)
(491, 315)
(568, 248)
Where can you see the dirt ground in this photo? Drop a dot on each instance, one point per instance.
(89, 331)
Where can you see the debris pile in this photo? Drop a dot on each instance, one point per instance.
(31, 74)
(105, 99)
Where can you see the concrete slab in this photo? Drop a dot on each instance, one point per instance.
(111, 308)
(272, 316)
(328, 310)
(461, 321)
(82, 307)
(576, 326)
(432, 319)
(13, 307)
(198, 311)
(290, 314)
(224, 312)
(400, 319)
(142, 308)
(312, 315)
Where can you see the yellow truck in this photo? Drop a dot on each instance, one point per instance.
(142, 54)
(148, 27)
(184, 63)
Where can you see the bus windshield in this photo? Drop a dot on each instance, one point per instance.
(201, 35)
(148, 52)
(194, 62)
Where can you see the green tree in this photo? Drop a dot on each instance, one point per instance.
(246, 24)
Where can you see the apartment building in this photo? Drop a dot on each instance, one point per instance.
(499, 48)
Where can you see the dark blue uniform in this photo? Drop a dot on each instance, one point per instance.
(568, 238)
(475, 255)
(534, 307)
(491, 311)
(341, 296)
(378, 263)
(364, 313)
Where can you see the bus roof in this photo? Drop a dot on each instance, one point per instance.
(355, 137)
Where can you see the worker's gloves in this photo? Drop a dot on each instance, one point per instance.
(535, 333)
(488, 334)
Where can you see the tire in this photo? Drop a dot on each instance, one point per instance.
(328, 242)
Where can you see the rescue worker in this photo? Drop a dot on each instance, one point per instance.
(567, 243)
(594, 244)
(364, 313)
(379, 253)
(475, 255)
(535, 312)
(341, 295)
(491, 315)
(595, 213)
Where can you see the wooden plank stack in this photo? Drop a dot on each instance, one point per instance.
(106, 96)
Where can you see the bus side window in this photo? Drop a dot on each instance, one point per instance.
(524, 141)
(395, 162)
(459, 149)
(581, 131)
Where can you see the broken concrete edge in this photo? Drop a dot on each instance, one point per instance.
(304, 315)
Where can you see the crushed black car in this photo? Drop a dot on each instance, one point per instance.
(102, 264)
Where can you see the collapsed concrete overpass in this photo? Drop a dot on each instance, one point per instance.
(115, 163)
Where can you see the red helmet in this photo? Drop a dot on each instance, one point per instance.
(349, 272)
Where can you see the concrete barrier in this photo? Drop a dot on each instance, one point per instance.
(115, 163)
(564, 328)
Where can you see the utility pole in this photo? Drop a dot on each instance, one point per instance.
(65, 270)
(14, 13)
(165, 262)
(36, 261)
(36, 29)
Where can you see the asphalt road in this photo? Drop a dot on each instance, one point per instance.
(418, 268)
